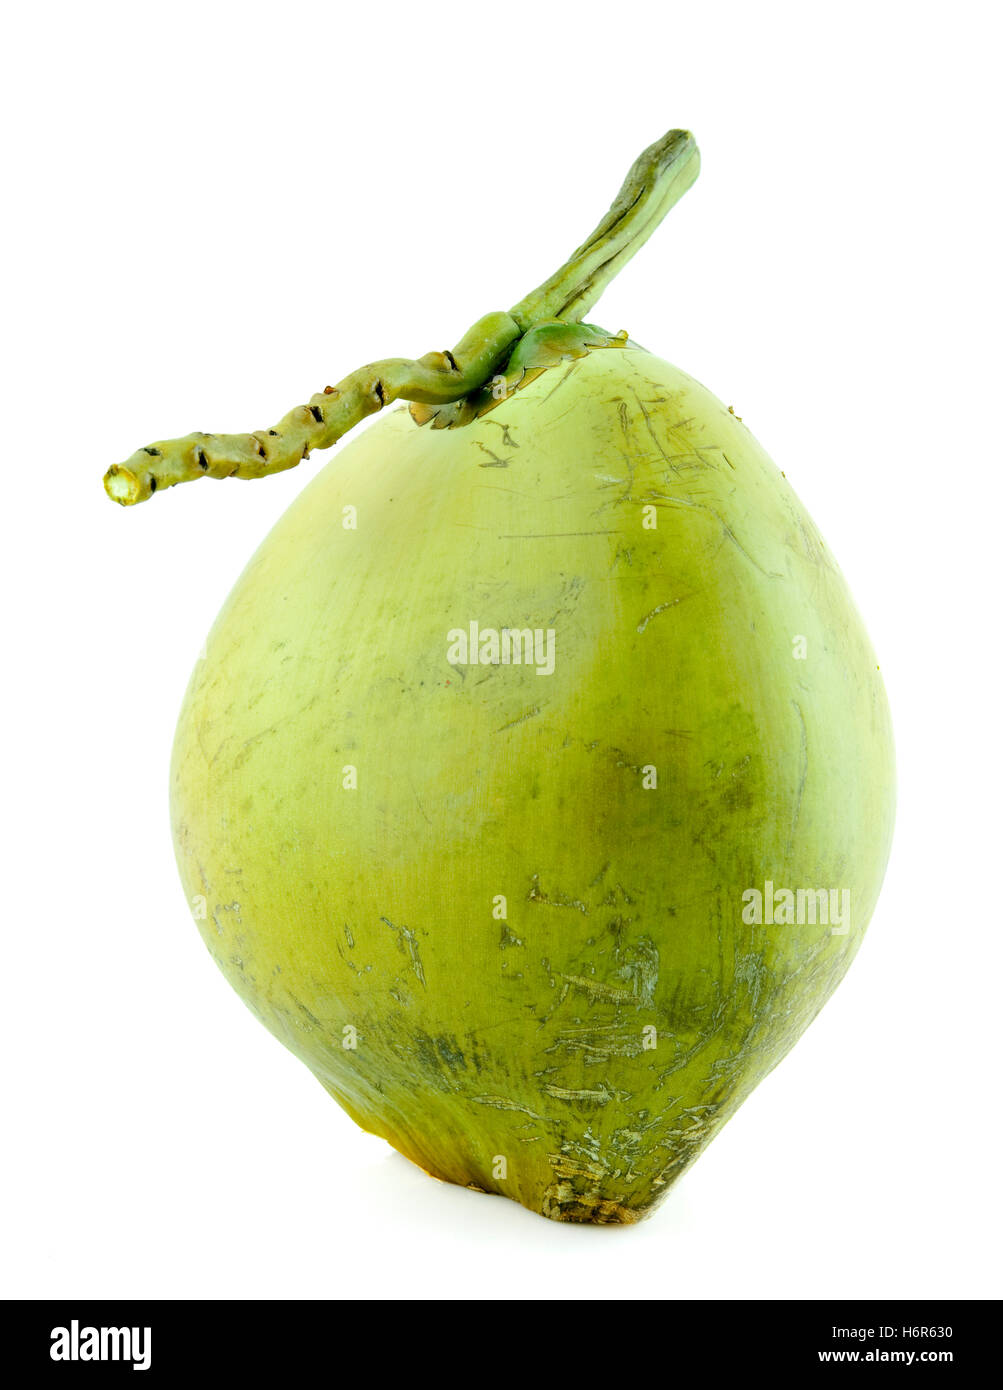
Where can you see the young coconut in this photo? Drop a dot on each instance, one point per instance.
(514, 812)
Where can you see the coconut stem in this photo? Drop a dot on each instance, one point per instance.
(656, 181)
(658, 178)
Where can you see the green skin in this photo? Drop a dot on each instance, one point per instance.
(511, 1054)
(501, 914)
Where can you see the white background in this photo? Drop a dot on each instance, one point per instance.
(212, 210)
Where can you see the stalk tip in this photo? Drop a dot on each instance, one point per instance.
(122, 485)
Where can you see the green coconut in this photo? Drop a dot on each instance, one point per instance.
(535, 786)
